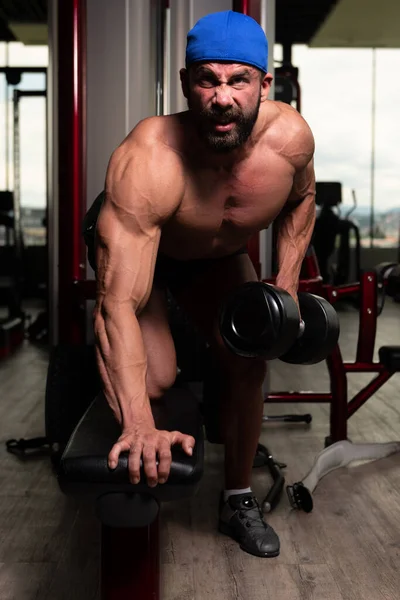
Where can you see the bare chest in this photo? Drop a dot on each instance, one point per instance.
(221, 210)
(247, 199)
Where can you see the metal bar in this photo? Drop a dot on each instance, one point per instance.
(346, 290)
(130, 568)
(368, 391)
(167, 58)
(29, 93)
(368, 317)
(71, 155)
(338, 381)
(241, 6)
(159, 17)
(23, 69)
(278, 397)
(77, 132)
(7, 128)
(373, 120)
(17, 191)
(359, 367)
(52, 172)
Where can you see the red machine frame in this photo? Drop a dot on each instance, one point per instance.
(341, 409)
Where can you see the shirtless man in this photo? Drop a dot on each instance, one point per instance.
(183, 195)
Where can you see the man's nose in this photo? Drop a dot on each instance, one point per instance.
(222, 97)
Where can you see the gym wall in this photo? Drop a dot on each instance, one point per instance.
(121, 79)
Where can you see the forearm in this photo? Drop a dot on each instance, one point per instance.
(294, 236)
(122, 364)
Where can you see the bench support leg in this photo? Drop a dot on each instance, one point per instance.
(130, 563)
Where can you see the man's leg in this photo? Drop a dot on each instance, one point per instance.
(159, 345)
(240, 392)
(240, 385)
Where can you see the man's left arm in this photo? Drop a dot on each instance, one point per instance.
(295, 228)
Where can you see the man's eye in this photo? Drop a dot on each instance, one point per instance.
(206, 82)
(239, 80)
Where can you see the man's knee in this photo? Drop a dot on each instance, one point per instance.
(238, 368)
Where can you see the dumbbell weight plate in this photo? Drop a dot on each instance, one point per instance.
(321, 332)
(393, 282)
(259, 320)
(383, 270)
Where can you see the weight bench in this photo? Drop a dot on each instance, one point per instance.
(129, 514)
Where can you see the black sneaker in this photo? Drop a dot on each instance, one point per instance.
(241, 518)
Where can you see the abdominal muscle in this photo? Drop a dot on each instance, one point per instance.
(223, 221)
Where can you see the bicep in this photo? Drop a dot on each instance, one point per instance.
(140, 196)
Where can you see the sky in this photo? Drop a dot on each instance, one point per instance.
(336, 102)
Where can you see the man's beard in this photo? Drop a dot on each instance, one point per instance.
(224, 141)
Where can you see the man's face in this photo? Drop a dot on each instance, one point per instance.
(224, 100)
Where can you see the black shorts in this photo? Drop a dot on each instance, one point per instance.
(176, 274)
(169, 272)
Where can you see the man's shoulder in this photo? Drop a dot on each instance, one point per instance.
(152, 138)
(291, 136)
(157, 131)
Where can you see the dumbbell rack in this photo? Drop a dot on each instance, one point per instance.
(341, 407)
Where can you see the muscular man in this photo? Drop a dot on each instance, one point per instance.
(183, 195)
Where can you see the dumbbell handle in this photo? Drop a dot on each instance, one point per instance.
(302, 327)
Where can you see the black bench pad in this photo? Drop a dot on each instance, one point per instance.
(84, 464)
(389, 356)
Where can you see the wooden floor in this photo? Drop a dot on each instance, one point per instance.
(348, 548)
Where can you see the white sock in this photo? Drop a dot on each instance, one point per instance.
(228, 493)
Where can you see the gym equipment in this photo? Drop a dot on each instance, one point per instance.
(320, 335)
(329, 227)
(72, 383)
(129, 514)
(264, 458)
(259, 319)
(33, 280)
(341, 407)
(389, 278)
(287, 86)
(338, 455)
(12, 323)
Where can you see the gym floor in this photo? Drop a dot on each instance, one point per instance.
(348, 548)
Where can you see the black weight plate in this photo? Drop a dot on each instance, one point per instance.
(259, 320)
(393, 282)
(321, 332)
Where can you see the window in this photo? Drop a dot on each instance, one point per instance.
(32, 139)
(336, 101)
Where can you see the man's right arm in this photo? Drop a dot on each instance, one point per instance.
(144, 187)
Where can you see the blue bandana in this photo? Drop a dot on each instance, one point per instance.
(228, 36)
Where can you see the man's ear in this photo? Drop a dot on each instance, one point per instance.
(266, 86)
(184, 77)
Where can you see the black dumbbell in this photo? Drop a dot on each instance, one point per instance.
(262, 320)
(393, 281)
(259, 319)
(320, 334)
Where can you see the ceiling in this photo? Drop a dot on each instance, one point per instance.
(361, 24)
(23, 20)
(318, 23)
(297, 21)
